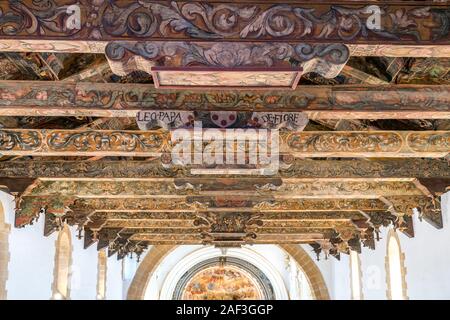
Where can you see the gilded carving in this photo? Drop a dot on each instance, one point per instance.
(110, 100)
(298, 168)
(297, 189)
(345, 142)
(157, 142)
(12, 140)
(322, 204)
(419, 142)
(324, 59)
(113, 141)
(105, 20)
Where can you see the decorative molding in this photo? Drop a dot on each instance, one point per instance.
(413, 51)
(399, 22)
(155, 143)
(387, 142)
(41, 98)
(290, 168)
(157, 57)
(295, 188)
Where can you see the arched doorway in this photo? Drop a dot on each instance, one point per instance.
(158, 254)
(223, 279)
(251, 265)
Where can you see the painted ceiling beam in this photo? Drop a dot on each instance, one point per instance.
(76, 210)
(88, 206)
(39, 98)
(297, 168)
(306, 144)
(86, 26)
(286, 189)
(123, 217)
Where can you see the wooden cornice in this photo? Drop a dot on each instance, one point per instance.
(41, 98)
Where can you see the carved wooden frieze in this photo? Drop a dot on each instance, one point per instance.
(388, 142)
(326, 142)
(405, 22)
(322, 204)
(309, 188)
(19, 98)
(292, 168)
(201, 203)
(418, 142)
(81, 142)
(132, 205)
(127, 219)
(155, 143)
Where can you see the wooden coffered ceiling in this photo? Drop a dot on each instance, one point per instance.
(375, 88)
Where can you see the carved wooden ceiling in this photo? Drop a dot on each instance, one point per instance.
(369, 79)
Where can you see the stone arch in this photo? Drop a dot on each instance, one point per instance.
(309, 267)
(63, 264)
(146, 269)
(4, 251)
(157, 254)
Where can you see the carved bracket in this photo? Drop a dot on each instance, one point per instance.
(226, 64)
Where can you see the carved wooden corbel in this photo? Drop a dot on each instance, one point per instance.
(429, 208)
(431, 212)
(226, 64)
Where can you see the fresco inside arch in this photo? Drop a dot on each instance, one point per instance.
(222, 283)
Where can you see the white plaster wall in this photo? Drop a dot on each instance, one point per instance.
(31, 264)
(325, 267)
(427, 259)
(277, 258)
(114, 281)
(83, 284)
(129, 267)
(340, 274)
(157, 279)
